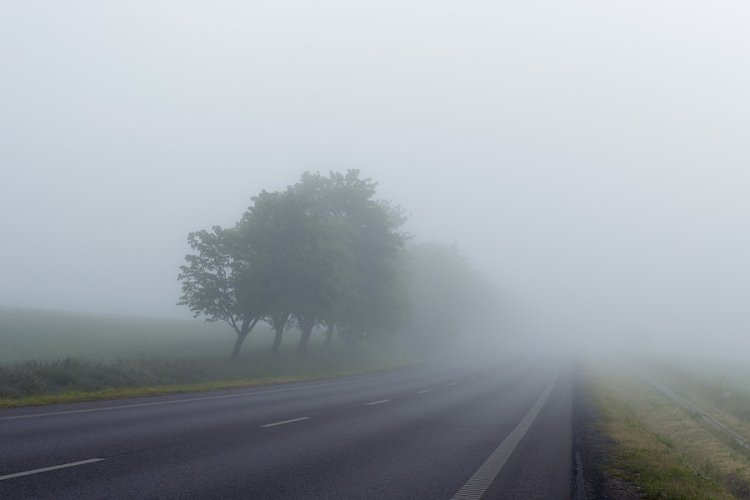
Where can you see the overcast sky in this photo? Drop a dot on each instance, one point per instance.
(592, 157)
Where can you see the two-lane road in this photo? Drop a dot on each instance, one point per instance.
(439, 431)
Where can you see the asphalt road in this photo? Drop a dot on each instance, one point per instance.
(439, 431)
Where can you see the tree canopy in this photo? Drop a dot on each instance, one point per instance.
(326, 253)
(220, 281)
(322, 252)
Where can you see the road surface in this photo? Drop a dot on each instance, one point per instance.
(443, 430)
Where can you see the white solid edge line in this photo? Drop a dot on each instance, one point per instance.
(47, 469)
(286, 422)
(422, 392)
(482, 478)
(378, 402)
(190, 400)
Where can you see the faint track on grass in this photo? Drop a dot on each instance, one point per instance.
(712, 422)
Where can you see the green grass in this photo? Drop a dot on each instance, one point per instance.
(52, 357)
(660, 448)
(721, 387)
(79, 379)
(50, 335)
(77, 396)
(40, 335)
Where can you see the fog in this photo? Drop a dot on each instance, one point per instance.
(591, 158)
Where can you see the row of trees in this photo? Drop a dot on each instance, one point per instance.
(324, 252)
(447, 296)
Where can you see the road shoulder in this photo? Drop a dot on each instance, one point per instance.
(594, 452)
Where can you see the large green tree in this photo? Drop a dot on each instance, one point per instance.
(373, 299)
(219, 282)
(268, 227)
(302, 259)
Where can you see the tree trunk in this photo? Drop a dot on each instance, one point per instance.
(306, 329)
(329, 334)
(279, 323)
(238, 345)
(277, 338)
(241, 335)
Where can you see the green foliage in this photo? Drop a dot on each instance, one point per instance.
(322, 252)
(220, 281)
(300, 258)
(372, 297)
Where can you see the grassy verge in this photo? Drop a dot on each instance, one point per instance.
(77, 396)
(38, 382)
(49, 357)
(659, 448)
(708, 384)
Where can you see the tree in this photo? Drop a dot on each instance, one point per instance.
(373, 298)
(267, 228)
(301, 257)
(322, 252)
(447, 294)
(278, 321)
(325, 277)
(219, 282)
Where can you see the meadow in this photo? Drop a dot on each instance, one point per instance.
(43, 335)
(52, 357)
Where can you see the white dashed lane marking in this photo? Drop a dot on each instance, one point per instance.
(286, 422)
(47, 469)
(378, 402)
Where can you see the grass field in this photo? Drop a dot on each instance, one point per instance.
(29, 334)
(47, 335)
(48, 357)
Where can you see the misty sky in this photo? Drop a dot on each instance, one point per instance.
(591, 157)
